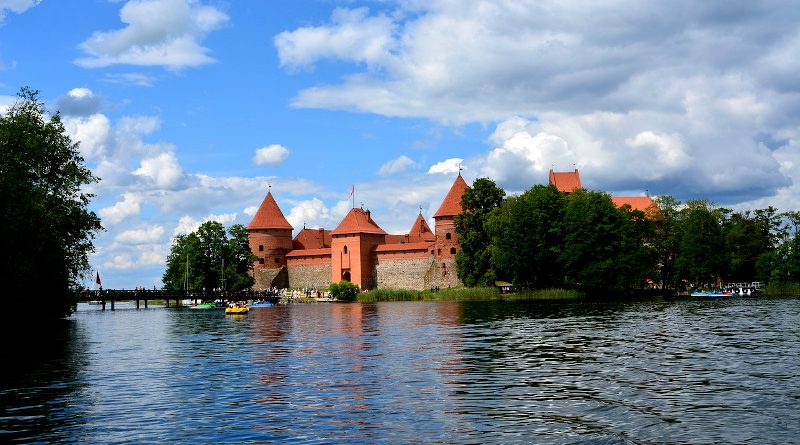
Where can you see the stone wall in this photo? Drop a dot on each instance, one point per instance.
(402, 274)
(266, 278)
(310, 275)
(442, 273)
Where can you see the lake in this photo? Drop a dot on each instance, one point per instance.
(565, 372)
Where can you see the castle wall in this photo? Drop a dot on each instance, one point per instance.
(267, 278)
(270, 246)
(404, 273)
(442, 273)
(309, 275)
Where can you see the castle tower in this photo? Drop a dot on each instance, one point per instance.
(269, 235)
(565, 182)
(352, 243)
(420, 231)
(446, 236)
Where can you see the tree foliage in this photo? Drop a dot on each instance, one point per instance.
(344, 291)
(208, 259)
(45, 226)
(473, 261)
(527, 236)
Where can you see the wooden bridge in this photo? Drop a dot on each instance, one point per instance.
(143, 295)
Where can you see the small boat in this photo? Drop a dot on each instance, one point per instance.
(711, 293)
(236, 310)
(96, 302)
(203, 306)
(261, 304)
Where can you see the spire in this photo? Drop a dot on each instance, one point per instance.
(269, 216)
(451, 206)
(421, 229)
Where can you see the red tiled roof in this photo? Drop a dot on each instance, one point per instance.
(309, 252)
(421, 230)
(451, 205)
(642, 203)
(358, 221)
(269, 216)
(312, 239)
(396, 239)
(565, 181)
(403, 247)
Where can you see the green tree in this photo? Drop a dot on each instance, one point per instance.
(701, 251)
(473, 261)
(666, 239)
(344, 291)
(604, 247)
(45, 226)
(526, 234)
(202, 255)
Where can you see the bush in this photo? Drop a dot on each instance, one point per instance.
(344, 291)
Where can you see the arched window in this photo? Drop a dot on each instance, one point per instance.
(277, 260)
(345, 249)
(260, 248)
(452, 251)
(440, 251)
(448, 236)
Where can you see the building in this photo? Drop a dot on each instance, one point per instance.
(357, 250)
(360, 251)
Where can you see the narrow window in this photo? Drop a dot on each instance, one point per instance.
(452, 251)
(345, 249)
(278, 260)
(260, 248)
(448, 236)
(261, 261)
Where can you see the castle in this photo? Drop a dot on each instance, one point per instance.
(360, 251)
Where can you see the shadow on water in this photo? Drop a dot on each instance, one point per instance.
(39, 379)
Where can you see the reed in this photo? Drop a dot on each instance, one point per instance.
(783, 289)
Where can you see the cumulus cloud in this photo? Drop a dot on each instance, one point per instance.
(352, 35)
(446, 167)
(396, 165)
(93, 132)
(270, 155)
(156, 33)
(79, 102)
(188, 224)
(130, 205)
(147, 235)
(163, 170)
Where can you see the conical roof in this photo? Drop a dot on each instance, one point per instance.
(421, 229)
(269, 216)
(358, 221)
(451, 206)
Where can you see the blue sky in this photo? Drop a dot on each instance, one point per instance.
(187, 110)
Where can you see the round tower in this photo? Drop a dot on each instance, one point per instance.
(269, 235)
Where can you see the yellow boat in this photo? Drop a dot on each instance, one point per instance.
(236, 310)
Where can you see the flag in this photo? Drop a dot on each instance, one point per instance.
(352, 190)
(97, 279)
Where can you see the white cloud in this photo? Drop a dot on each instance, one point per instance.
(121, 261)
(311, 213)
(79, 102)
(147, 235)
(446, 167)
(92, 132)
(18, 6)
(163, 169)
(271, 155)
(352, 35)
(188, 224)
(157, 33)
(396, 165)
(130, 205)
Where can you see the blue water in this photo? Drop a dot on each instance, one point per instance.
(691, 371)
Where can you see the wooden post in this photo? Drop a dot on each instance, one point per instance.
(145, 303)
(112, 305)
(137, 303)
(104, 304)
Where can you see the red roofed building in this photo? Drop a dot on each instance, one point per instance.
(352, 243)
(566, 182)
(270, 235)
(446, 236)
(642, 203)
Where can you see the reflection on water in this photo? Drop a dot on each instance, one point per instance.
(698, 371)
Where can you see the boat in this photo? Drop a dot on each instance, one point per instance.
(261, 304)
(711, 293)
(236, 310)
(203, 306)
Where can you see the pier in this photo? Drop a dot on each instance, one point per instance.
(143, 296)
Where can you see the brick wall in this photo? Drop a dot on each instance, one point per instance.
(312, 275)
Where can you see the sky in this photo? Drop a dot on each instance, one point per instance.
(190, 110)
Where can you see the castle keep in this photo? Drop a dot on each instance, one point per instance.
(357, 250)
(360, 251)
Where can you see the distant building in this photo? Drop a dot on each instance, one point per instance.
(360, 251)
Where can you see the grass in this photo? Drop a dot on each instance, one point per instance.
(783, 289)
(465, 294)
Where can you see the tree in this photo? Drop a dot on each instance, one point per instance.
(666, 237)
(526, 234)
(344, 291)
(203, 255)
(45, 226)
(701, 250)
(473, 261)
(604, 246)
